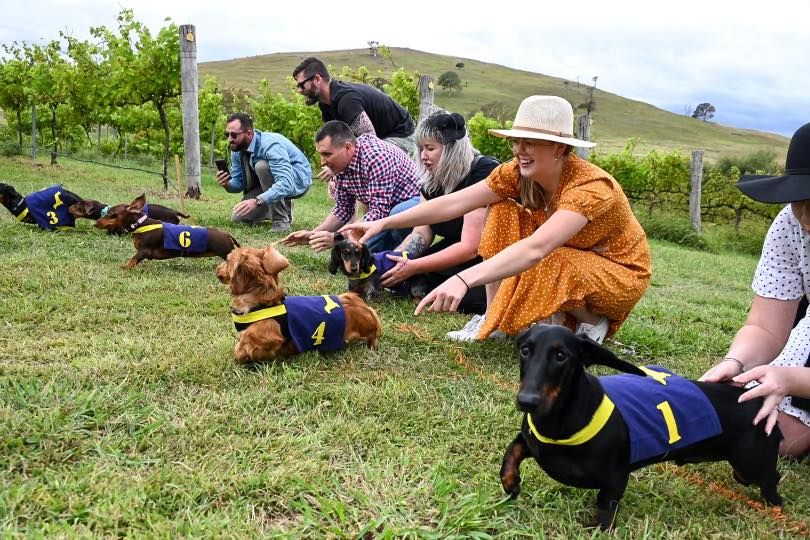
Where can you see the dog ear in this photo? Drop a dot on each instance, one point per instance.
(273, 262)
(594, 353)
(339, 238)
(335, 260)
(365, 258)
(138, 202)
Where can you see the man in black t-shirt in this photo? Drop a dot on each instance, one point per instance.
(363, 107)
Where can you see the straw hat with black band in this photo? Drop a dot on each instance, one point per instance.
(550, 118)
(794, 184)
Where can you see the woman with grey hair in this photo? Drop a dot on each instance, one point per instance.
(448, 162)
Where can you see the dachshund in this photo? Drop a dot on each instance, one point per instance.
(156, 240)
(364, 269)
(96, 210)
(273, 325)
(581, 432)
(47, 208)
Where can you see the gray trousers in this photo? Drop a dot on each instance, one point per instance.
(280, 211)
(406, 144)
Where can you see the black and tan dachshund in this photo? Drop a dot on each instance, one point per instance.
(581, 430)
(51, 208)
(364, 269)
(96, 210)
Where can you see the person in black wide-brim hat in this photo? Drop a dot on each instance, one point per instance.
(766, 351)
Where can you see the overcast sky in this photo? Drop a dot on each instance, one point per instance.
(750, 60)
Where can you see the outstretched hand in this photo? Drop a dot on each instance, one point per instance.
(774, 385)
(298, 238)
(721, 372)
(364, 229)
(445, 297)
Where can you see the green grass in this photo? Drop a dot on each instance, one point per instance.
(122, 412)
(615, 120)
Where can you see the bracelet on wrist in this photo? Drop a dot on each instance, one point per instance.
(463, 281)
(740, 364)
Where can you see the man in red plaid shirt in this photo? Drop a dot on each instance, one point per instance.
(365, 169)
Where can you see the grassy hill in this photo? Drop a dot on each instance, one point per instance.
(615, 120)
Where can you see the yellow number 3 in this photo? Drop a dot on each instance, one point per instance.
(185, 239)
(53, 219)
(317, 337)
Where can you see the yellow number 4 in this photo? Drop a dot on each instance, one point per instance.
(317, 337)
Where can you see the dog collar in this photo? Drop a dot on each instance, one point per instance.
(21, 215)
(257, 314)
(134, 226)
(364, 275)
(104, 211)
(598, 421)
(147, 228)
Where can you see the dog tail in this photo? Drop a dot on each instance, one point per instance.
(235, 242)
(182, 215)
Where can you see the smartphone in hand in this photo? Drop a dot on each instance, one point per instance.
(222, 165)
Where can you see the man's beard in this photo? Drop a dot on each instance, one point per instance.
(311, 100)
(236, 147)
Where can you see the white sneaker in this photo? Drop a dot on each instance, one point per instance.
(469, 331)
(596, 332)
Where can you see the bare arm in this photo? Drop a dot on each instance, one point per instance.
(760, 340)
(462, 251)
(520, 256)
(440, 209)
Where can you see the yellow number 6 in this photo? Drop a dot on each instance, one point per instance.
(185, 239)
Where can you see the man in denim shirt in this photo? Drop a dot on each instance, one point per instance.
(269, 170)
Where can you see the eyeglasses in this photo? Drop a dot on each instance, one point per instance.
(302, 83)
(233, 134)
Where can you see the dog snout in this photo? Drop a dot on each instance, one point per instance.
(528, 401)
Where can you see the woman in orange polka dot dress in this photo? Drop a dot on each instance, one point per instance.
(560, 236)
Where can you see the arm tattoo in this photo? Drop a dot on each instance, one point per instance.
(362, 124)
(416, 245)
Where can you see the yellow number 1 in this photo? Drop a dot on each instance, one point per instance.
(317, 337)
(669, 418)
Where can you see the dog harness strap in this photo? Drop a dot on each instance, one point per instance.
(364, 275)
(147, 228)
(21, 215)
(258, 315)
(598, 421)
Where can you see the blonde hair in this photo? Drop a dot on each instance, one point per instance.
(455, 162)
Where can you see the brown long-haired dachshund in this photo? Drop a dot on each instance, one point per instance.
(271, 324)
(156, 240)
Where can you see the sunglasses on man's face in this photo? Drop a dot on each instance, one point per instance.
(233, 134)
(302, 83)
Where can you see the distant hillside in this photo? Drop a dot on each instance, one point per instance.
(615, 120)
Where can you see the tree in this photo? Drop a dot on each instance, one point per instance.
(704, 111)
(146, 69)
(14, 76)
(449, 80)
